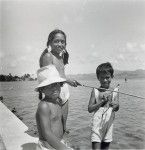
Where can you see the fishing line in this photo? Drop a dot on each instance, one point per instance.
(87, 86)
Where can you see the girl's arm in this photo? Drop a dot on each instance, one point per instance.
(93, 106)
(73, 83)
(45, 59)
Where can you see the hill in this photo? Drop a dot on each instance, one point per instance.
(137, 74)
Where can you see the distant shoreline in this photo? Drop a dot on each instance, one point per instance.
(76, 78)
(137, 74)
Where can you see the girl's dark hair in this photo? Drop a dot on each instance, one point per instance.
(50, 39)
(105, 68)
(52, 35)
(66, 54)
(40, 95)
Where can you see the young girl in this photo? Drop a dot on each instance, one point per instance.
(103, 103)
(58, 56)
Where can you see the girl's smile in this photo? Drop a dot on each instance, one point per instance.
(58, 44)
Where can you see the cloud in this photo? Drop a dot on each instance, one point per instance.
(136, 58)
(131, 47)
(143, 65)
(22, 58)
(28, 49)
(92, 46)
(1, 55)
(79, 19)
(65, 19)
(19, 61)
(95, 54)
(135, 47)
(112, 60)
(132, 57)
(121, 56)
(13, 64)
(142, 46)
(115, 61)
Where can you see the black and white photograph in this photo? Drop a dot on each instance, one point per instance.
(72, 74)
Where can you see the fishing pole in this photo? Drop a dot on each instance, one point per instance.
(112, 91)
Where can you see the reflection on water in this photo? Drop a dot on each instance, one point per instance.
(129, 126)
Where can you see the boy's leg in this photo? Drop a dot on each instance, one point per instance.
(65, 114)
(96, 145)
(108, 138)
(105, 145)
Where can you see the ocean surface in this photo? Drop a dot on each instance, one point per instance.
(129, 125)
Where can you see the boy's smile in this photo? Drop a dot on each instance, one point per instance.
(105, 79)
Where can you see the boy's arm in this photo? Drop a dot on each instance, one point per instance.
(92, 103)
(44, 120)
(45, 59)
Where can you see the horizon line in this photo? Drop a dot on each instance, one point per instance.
(71, 74)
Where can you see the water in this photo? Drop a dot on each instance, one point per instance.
(129, 125)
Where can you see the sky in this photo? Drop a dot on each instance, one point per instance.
(97, 31)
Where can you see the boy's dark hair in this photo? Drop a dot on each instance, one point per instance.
(50, 39)
(105, 68)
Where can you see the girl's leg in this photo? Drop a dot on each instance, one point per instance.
(105, 145)
(96, 145)
(65, 114)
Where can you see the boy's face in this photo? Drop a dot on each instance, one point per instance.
(52, 90)
(58, 43)
(105, 79)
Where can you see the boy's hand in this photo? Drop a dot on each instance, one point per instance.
(104, 99)
(115, 106)
(109, 97)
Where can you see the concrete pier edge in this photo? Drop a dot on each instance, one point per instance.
(13, 134)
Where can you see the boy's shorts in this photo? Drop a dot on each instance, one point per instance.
(98, 137)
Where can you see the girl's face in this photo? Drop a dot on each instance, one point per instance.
(58, 43)
(105, 80)
(52, 91)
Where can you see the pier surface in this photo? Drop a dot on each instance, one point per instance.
(13, 134)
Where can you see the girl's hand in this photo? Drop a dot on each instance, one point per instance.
(73, 83)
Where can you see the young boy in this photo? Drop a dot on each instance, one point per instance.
(103, 103)
(49, 112)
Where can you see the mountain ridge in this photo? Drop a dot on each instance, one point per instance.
(118, 74)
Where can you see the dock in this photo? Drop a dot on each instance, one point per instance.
(13, 134)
